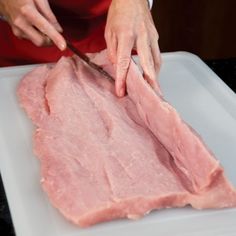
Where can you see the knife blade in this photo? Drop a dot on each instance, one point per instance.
(86, 59)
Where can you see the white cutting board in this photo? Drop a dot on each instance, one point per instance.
(203, 100)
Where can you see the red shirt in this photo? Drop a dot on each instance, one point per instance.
(83, 23)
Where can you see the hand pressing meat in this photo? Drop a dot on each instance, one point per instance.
(33, 20)
(130, 26)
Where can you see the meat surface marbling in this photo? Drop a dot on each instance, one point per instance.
(104, 157)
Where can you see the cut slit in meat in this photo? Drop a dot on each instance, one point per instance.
(104, 157)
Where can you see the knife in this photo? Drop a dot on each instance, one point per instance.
(86, 59)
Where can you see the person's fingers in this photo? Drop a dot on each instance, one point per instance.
(45, 9)
(124, 48)
(18, 32)
(111, 42)
(146, 61)
(21, 35)
(156, 56)
(157, 61)
(31, 33)
(38, 21)
(47, 41)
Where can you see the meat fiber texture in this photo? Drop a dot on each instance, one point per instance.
(104, 157)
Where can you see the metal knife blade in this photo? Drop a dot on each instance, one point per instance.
(88, 61)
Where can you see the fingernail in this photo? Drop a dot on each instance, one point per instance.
(62, 46)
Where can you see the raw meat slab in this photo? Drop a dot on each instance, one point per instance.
(182, 75)
(104, 157)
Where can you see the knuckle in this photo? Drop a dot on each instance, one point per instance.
(17, 21)
(144, 35)
(121, 28)
(38, 42)
(16, 32)
(143, 28)
(154, 33)
(129, 35)
(25, 10)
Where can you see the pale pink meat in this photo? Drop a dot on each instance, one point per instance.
(104, 158)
